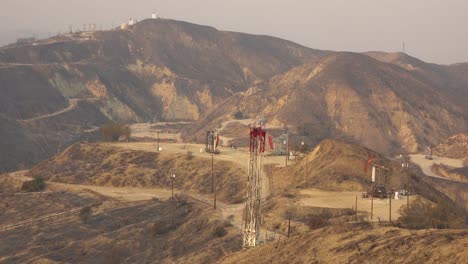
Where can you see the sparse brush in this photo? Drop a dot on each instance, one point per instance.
(159, 228)
(36, 185)
(189, 155)
(219, 231)
(317, 221)
(85, 214)
(441, 215)
(113, 131)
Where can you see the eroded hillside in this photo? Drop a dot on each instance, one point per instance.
(353, 96)
(99, 164)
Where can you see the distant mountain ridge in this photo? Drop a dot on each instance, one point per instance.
(163, 69)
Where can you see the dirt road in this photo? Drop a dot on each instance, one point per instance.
(129, 194)
(145, 130)
(328, 199)
(73, 103)
(425, 164)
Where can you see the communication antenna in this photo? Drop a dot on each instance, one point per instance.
(251, 222)
(404, 47)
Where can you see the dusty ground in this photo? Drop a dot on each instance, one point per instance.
(361, 243)
(426, 164)
(150, 130)
(328, 199)
(81, 170)
(117, 232)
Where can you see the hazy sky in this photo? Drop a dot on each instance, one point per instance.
(434, 30)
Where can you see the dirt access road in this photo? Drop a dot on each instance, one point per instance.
(129, 194)
(426, 165)
(73, 103)
(329, 199)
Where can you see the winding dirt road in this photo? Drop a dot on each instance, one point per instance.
(73, 103)
(426, 165)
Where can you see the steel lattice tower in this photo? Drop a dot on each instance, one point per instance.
(251, 228)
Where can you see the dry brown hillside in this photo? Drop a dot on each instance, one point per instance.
(179, 231)
(337, 166)
(155, 70)
(361, 244)
(455, 147)
(356, 97)
(99, 164)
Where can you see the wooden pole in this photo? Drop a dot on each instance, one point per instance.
(158, 140)
(289, 224)
(355, 217)
(172, 180)
(214, 183)
(212, 175)
(307, 173)
(390, 208)
(372, 202)
(408, 177)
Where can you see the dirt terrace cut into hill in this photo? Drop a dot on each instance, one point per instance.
(100, 164)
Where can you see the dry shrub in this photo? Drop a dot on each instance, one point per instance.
(317, 221)
(36, 185)
(113, 131)
(85, 214)
(181, 200)
(219, 231)
(189, 155)
(159, 228)
(441, 215)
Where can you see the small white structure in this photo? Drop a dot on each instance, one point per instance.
(131, 22)
(397, 195)
(373, 173)
(154, 16)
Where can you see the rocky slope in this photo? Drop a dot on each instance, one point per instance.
(157, 69)
(354, 244)
(98, 164)
(354, 97)
(171, 70)
(455, 147)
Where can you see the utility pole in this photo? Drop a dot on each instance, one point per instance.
(355, 216)
(158, 140)
(172, 185)
(390, 208)
(213, 183)
(405, 166)
(212, 175)
(307, 173)
(372, 202)
(289, 223)
(408, 176)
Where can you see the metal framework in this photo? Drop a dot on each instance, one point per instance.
(251, 222)
(212, 140)
(281, 144)
(379, 180)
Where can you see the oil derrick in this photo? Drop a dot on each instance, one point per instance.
(428, 153)
(281, 144)
(212, 140)
(379, 180)
(251, 228)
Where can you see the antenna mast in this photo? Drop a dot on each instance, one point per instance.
(251, 228)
